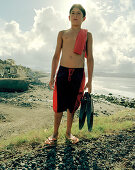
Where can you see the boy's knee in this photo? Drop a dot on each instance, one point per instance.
(58, 114)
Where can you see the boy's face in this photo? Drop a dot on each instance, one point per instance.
(76, 16)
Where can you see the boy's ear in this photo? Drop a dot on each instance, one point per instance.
(84, 18)
(69, 17)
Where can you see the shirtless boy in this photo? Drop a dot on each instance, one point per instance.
(68, 84)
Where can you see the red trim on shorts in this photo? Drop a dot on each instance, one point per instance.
(55, 106)
(71, 70)
(80, 94)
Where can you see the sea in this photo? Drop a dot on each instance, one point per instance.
(118, 86)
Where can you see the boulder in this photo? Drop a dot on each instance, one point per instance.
(12, 85)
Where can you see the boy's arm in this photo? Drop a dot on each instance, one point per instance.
(56, 58)
(90, 61)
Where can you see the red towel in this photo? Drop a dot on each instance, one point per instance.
(80, 43)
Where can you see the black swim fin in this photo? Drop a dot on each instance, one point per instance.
(82, 114)
(89, 111)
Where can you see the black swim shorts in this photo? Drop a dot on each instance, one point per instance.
(68, 89)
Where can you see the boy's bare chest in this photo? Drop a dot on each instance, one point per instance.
(69, 38)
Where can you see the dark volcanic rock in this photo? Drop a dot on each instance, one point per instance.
(125, 101)
(107, 152)
(12, 85)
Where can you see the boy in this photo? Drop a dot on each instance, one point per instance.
(70, 79)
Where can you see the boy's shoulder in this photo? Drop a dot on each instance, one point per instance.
(62, 32)
(89, 35)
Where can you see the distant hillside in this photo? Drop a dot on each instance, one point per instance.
(8, 69)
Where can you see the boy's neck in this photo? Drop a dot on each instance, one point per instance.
(75, 28)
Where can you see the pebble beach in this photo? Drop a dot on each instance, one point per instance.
(32, 109)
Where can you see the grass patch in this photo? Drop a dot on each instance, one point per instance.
(30, 138)
(107, 124)
(102, 125)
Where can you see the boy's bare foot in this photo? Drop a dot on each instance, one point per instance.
(72, 139)
(51, 140)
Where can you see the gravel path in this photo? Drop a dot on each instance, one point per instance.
(107, 152)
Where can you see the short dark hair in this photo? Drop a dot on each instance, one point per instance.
(79, 6)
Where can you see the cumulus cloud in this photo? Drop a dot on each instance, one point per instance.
(126, 5)
(113, 40)
(33, 48)
(110, 22)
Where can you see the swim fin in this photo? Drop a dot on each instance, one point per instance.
(82, 114)
(89, 111)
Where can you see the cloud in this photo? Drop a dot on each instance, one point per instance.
(125, 5)
(111, 23)
(12, 27)
(33, 48)
(114, 40)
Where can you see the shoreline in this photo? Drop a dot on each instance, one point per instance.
(99, 89)
(32, 109)
(119, 87)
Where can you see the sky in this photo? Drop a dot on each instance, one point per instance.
(29, 29)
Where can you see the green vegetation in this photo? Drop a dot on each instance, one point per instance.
(109, 124)
(102, 125)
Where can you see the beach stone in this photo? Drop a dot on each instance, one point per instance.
(95, 153)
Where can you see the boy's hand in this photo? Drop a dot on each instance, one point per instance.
(89, 86)
(51, 84)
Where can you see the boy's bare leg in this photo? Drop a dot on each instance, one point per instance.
(57, 120)
(70, 118)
